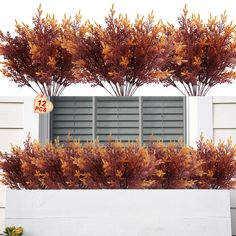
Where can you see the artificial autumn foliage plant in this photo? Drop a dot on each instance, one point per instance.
(176, 165)
(121, 56)
(218, 164)
(35, 57)
(116, 165)
(206, 52)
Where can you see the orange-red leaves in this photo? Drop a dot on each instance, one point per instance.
(117, 165)
(204, 53)
(122, 56)
(35, 57)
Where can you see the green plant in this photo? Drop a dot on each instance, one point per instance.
(13, 231)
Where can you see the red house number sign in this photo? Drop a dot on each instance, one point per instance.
(42, 105)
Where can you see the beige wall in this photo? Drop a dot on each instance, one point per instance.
(11, 123)
(233, 211)
(17, 120)
(2, 209)
(224, 126)
(224, 118)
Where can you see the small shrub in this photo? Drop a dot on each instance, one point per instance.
(13, 231)
(35, 57)
(203, 55)
(176, 165)
(219, 164)
(119, 166)
(39, 166)
(120, 56)
(116, 166)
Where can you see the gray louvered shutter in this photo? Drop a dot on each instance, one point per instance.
(72, 115)
(125, 118)
(118, 116)
(163, 118)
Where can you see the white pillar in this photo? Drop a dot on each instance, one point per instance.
(199, 118)
(31, 119)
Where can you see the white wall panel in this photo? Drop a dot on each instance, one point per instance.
(224, 134)
(2, 208)
(224, 99)
(31, 119)
(2, 220)
(224, 118)
(224, 125)
(17, 120)
(2, 196)
(120, 212)
(11, 115)
(199, 119)
(10, 136)
(233, 211)
(11, 122)
(225, 115)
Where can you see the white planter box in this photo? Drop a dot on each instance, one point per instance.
(233, 210)
(120, 212)
(2, 208)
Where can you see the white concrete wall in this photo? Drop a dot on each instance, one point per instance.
(120, 212)
(224, 126)
(233, 211)
(2, 208)
(216, 117)
(199, 118)
(224, 122)
(17, 120)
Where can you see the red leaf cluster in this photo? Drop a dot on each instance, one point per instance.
(204, 53)
(122, 55)
(119, 166)
(176, 165)
(35, 56)
(219, 164)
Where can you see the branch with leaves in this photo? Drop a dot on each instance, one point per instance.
(13, 231)
(35, 56)
(204, 54)
(120, 57)
(116, 165)
(218, 164)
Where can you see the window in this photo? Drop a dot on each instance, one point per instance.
(125, 118)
